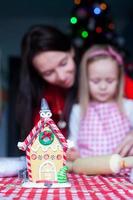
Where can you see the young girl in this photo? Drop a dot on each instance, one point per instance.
(105, 119)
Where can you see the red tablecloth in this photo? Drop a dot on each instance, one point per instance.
(82, 188)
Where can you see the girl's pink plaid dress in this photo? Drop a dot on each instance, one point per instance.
(102, 129)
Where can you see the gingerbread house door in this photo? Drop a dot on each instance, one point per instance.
(47, 171)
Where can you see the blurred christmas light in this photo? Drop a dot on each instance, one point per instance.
(84, 34)
(97, 10)
(73, 20)
(81, 13)
(120, 40)
(91, 24)
(111, 26)
(103, 6)
(99, 29)
(77, 2)
(78, 41)
(109, 35)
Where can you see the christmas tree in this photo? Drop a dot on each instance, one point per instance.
(92, 23)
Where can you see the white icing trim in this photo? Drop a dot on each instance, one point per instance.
(29, 184)
(44, 149)
(44, 163)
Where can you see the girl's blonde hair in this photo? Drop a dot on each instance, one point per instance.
(98, 52)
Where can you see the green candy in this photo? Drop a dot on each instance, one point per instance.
(62, 176)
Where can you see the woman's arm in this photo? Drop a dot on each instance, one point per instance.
(128, 108)
(74, 123)
(125, 148)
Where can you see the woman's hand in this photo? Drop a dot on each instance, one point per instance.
(125, 148)
(72, 154)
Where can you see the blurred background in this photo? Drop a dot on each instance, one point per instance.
(86, 21)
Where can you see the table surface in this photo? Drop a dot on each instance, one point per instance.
(82, 188)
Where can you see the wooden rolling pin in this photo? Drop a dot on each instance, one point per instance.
(95, 165)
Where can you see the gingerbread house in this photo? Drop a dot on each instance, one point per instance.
(45, 148)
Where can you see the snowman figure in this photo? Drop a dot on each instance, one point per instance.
(45, 111)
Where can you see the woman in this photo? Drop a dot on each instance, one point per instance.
(48, 71)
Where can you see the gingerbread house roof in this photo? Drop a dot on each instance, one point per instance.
(36, 130)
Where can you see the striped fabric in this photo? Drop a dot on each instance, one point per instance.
(82, 188)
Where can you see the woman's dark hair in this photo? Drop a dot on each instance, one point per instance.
(39, 38)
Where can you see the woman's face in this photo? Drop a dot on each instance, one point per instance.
(56, 67)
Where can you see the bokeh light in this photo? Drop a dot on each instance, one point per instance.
(84, 34)
(103, 6)
(111, 26)
(97, 10)
(73, 20)
(99, 29)
(77, 2)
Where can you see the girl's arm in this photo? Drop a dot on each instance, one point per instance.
(125, 148)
